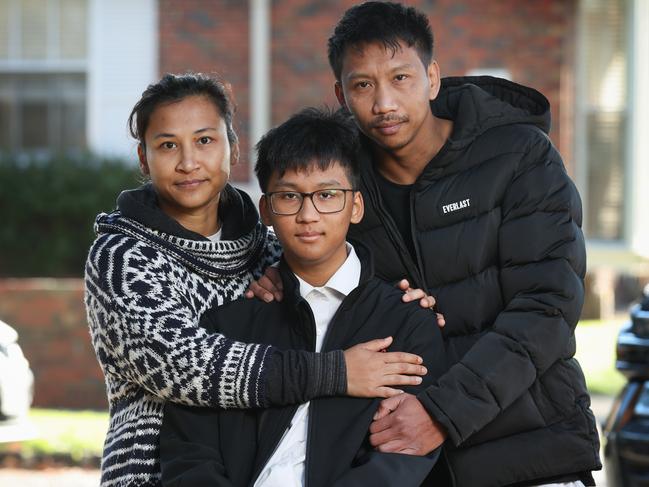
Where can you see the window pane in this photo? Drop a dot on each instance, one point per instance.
(73, 29)
(34, 125)
(72, 122)
(42, 111)
(73, 125)
(4, 29)
(6, 102)
(34, 29)
(606, 114)
(5, 118)
(606, 135)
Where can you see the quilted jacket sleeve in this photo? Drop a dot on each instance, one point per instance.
(542, 265)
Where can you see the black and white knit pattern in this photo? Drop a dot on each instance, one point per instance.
(145, 293)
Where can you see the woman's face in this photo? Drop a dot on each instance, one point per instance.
(188, 156)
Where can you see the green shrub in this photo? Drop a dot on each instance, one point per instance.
(48, 207)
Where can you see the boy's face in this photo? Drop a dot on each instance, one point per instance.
(388, 93)
(313, 241)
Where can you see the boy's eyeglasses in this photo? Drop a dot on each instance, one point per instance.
(324, 201)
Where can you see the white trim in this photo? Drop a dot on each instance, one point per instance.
(260, 83)
(580, 151)
(638, 179)
(43, 66)
(93, 26)
(122, 61)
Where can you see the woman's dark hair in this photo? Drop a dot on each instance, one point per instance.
(311, 137)
(175, 87)
(385, 22)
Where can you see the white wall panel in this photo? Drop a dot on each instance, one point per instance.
(122, 61)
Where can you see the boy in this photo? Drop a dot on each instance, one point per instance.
(308, 171)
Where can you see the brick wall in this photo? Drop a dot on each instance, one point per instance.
(534, 41)
(210, 37)
(50, 318)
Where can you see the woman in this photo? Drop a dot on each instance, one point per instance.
(183, 243)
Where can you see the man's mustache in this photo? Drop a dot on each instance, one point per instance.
(389, 120)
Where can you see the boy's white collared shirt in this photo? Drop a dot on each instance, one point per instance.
(285, 467)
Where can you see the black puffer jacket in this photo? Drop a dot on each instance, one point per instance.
(496, 228)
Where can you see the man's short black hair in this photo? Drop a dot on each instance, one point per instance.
(385, 22)
(312, 137)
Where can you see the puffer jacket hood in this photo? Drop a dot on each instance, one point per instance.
(477, 104)
(485, 102)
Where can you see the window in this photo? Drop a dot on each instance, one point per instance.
(43, 67)
(603, 117)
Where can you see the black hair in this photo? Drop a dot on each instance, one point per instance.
(311, 137)
(175, 87)
(385, 22)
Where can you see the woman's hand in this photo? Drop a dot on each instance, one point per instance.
(425, 301)
(371, 370)
(268, 287)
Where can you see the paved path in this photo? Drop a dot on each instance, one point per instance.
(60, 477)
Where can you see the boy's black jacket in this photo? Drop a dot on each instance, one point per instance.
(201, 446)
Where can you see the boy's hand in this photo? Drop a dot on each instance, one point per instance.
(402, 425)
(425, 301)
(268, 287)
(371, 370)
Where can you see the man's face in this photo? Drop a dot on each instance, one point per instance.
(388, 93)
(310, 239)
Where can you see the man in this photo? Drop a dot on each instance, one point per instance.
(308, 170)
(466, 195)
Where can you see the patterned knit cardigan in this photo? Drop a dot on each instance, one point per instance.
(145, 293)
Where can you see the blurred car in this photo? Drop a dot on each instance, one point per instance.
(626, 430)
(16, 387)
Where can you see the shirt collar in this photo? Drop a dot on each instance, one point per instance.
(344, 280)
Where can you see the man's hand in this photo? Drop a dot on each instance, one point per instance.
(402, 425)
(268, 287)
(425, 301)
(371, 370)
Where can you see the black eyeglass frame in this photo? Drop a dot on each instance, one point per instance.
(310, 196)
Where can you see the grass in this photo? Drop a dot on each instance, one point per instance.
(596, 353)
(80, 434)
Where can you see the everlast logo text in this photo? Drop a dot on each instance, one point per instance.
(456, 206)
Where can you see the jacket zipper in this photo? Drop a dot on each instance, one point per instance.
(289, 417)
(286, 422)
(307, 458)
(415, 242)
(325, 342)
(395, 235)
